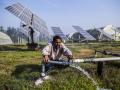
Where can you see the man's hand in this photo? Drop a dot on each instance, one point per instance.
(45, 58)
(70, 57)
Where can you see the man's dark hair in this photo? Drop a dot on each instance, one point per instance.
(56, 37)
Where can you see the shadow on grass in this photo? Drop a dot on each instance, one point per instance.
(27, 72)
(13, 48)
(16, 48)
(114, 64)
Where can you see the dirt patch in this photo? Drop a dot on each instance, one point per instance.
(83, 53)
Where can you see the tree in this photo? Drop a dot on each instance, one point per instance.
(15, 34)
(11, 31)
(2, 29)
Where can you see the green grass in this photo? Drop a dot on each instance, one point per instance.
(19, 68)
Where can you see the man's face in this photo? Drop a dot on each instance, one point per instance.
(57, 42)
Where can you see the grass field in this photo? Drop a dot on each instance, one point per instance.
(19, 68)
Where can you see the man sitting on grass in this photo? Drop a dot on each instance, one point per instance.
(53, 51)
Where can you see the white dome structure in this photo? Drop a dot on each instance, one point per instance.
(111, 30)
(5, 39)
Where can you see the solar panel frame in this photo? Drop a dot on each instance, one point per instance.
(26, 32)
(24, 29)
(84, 33)
(25, 15)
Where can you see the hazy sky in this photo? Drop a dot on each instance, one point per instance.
(65, 13)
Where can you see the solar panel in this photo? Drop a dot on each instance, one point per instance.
(24, 29)
(84, 33)
(58, 31)
(27, 16)
(104, 33)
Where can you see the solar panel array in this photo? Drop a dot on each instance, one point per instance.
(27, 16)
(58, 31)
(104, 33)
(84, 33)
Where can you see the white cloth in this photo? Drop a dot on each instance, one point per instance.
(55, 54)
(39, 81)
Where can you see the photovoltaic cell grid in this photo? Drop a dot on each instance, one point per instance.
(84, 33)
(25, 15)
(58, 31)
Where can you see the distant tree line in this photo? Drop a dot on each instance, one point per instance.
(13, 33)
(2, 29)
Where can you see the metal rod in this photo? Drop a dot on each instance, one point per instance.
(97, 59)
(59, 62)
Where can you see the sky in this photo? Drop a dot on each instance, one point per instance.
(64, 13)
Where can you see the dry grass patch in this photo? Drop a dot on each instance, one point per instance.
(83, 53)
